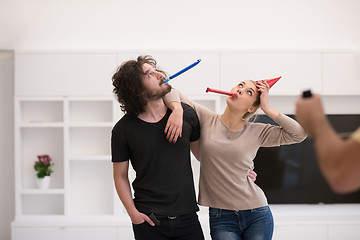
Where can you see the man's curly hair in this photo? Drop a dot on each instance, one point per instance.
(128, 85)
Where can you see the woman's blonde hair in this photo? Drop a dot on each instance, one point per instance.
(247, 116)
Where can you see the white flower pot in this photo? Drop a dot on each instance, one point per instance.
(43, 183)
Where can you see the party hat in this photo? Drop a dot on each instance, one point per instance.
(271, 81)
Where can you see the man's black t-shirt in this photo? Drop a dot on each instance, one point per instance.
(164, 180)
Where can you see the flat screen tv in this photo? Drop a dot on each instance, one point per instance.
(290, 174)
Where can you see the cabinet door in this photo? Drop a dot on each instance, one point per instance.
(299, 71)
(300, 232)
(125, 232)
(341, 74)
(192, 82)
(58, 74)
(348, 232)
(91, 233)
(38, 233)
(61, 233)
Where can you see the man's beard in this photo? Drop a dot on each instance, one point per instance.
(157, 95)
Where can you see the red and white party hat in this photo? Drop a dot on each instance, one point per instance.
(271, 81)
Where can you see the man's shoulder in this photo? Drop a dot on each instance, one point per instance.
(187, 108)
(189, 112)
(123, 122)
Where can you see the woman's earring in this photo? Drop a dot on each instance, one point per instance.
(243, 118)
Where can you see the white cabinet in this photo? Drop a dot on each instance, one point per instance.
(125, 232)
(344, 231)
(300, 232)
(320, 230)
(39, 129)
(90, 73)
(341, 74)
(61, 73)
(299, 71)
(64, 233)
(316, 221)
(75, 132)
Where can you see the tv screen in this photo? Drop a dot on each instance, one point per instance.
(290, 174)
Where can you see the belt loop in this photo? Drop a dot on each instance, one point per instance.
(218, 214)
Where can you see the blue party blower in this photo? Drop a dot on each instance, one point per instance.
(182, 71)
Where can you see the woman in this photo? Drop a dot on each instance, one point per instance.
(238, 208)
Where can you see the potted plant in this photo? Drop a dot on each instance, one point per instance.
(43, 167)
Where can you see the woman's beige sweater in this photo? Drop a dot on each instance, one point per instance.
(226, 156)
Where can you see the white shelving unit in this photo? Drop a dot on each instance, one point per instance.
(75, 132)
(39, 126)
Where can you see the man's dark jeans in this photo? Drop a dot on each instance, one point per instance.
(185, 227)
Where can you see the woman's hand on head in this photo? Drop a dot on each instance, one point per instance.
(263, 88)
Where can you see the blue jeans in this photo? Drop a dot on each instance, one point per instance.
(252, 224)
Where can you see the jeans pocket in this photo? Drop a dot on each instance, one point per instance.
(260, 209)
(214, 213)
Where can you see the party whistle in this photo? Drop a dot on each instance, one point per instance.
(182, 71)
(221, 92)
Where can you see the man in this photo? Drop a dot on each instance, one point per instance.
(339, 159)
(164, 204)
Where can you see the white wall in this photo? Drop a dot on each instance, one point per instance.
(164, 24)
(160, 24)
(7, 205)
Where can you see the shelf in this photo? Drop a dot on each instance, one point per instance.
(42, 204)
(81, 111)
(91, 188)
(39, 141)
(91, 124)
(86, 141)
(41, 111)
(91, 158)
(41, 125)
(76, 133)
(40, 191)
